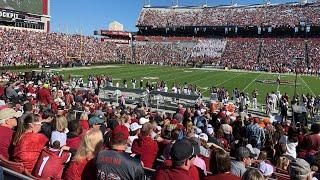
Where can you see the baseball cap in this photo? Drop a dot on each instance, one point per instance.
(9, 113)
(265, 168)
(210, 130)
(120, 133)
(95, 120)
(143, 120)
(57, 136)
(244, 152)
(299, 167)
(254, 151)
(204, 137)
(182, 150)
(135, 126)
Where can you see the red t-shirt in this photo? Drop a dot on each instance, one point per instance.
(172, 174)
(147, 148)
(6, 135)
(225, 176)
(51, 163)
(313, 142)
(74, 142)
(28, 149)
(85, 125)
(83, 169)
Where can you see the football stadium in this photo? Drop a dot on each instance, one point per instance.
(195, 92)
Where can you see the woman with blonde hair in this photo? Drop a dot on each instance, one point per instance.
(60, 130)
(282, 164)
(84, 122)
(82, 165)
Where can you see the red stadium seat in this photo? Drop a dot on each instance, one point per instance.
(17, 167)
(27, 173)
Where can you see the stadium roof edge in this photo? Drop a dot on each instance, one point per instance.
(221, 6)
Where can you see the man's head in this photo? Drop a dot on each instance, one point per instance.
(220, 161)
(182, 153)
(146, 129)
(244, 155)
(95, 122)
(299, 169)
(27, 107)
(8, 117)
(315, 128)
(120, 136)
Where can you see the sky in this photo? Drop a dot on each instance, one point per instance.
(76, 16)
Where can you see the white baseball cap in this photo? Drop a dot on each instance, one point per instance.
(204, 137)
(143, 120)
(134, 126)
(210, 130)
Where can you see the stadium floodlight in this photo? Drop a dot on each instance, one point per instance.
(298, 63)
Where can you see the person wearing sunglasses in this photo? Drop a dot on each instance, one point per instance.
(8, 121)
(28, 142)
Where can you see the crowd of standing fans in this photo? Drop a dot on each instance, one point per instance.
(50, 129)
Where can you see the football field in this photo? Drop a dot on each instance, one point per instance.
(203, 78)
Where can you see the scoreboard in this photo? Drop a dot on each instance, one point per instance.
(28, 6)
(31, 14)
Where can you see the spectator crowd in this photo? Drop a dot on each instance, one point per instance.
(254, 54)
(51, 130)
(285, 15)
(22, 47)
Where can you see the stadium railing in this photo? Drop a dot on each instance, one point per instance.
(9, 174)
(148, 173)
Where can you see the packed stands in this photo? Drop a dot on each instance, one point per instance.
(33, 48)
(290, 14)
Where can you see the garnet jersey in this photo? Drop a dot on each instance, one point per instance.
(51, 163)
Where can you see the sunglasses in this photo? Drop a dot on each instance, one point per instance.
(193, 156)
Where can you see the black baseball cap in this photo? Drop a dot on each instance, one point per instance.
(244, 152)
(182, 150)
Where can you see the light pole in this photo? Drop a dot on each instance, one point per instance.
(297, 61)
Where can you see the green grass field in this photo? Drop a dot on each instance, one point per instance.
(204, 78)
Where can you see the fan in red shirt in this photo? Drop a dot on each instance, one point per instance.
(45, 95)
(182, 154)
(312, 142)
(51, 162)
(82, 166)
(28, 142)
(220, 166)
(145, 146)
(7, 122)
(84, 122)
(73, 136)
(30, 88)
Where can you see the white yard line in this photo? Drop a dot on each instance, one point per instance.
(229, 79)
(307, 86)
(251, 82)
(216, 85)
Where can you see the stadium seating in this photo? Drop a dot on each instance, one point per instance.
(17, 167)
(290, 14)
